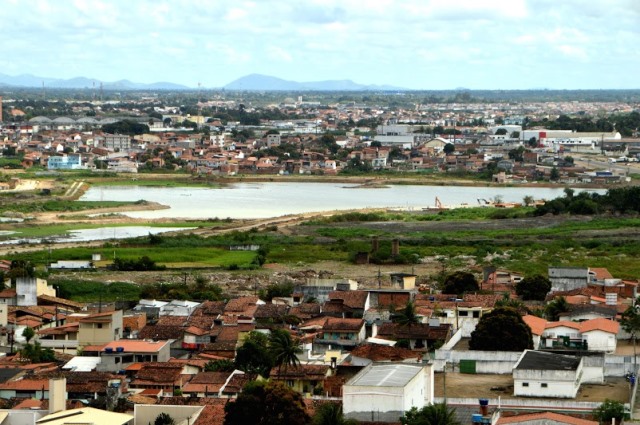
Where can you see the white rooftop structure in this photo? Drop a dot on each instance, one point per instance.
(386, 375)
(82, 364)
(150, 304)
(384, 391)
(178, 308)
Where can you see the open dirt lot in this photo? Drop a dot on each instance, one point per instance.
(461, 385)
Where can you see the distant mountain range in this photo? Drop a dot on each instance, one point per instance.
(259, 82)
(252, 82)
(28, 80)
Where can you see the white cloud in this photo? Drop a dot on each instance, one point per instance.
(384, 41)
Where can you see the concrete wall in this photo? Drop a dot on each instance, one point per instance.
(23, 417)
(537, 404)
(93, 334)
(568, 278)
(498, 362)
(547, 383)
(144, 414)
(28, 289)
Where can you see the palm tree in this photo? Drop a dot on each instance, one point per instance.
(432, 414)
(331, 414)
(284, 349)
(555, 307)
(408, 315)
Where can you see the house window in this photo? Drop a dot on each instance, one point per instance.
(463, 313)
(525, 384)
(476, 314)
(99, 326)
(543, 385)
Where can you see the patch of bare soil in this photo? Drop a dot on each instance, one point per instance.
(461, 385)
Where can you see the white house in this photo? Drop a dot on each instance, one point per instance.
(600, 334)
(385, 391)
(545, 374)
(593, 335)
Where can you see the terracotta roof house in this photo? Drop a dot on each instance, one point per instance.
(303, 378)
(592, 335)
(548, 418)
(342, 333)
(206, 384)
(91, 385)
(118, 355)
(346, 304)
(421, 336)
(62, 337)
(306, 311)
(368, 353)
(270, 313)
(159, 375)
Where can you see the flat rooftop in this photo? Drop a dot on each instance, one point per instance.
(385, 375)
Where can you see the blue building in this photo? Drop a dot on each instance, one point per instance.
(69, 162)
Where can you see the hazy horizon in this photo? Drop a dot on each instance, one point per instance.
(413, 44)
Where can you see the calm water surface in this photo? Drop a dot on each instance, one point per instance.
(262, 200)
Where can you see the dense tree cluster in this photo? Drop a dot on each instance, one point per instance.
(143, 263)
(533, 288)
(198, 290)
(501, 330)
(129, 127)
(620, 200)
(432, 414)
(624, 123)
(269, 403)
(460, 282)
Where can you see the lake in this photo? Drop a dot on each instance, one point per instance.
(262, 200)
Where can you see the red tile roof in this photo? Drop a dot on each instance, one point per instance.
(378, 353)
(601, 324)
(565, 323)
(136, 346)
(337, 324)
(537, 324)
(544, 417)
(352, 299)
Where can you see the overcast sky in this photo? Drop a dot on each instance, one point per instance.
(417, 44)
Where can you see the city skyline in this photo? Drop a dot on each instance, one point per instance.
(429, 45)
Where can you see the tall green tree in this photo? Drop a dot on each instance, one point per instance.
(331, 414)
(554, 308)
(253, 356)
(284, 349)
(432, 414)
(407, 315)
(28, 333)
(501, 330)
(164, 419)
(630, 322)
(36, 354)
(263, 403)
(460, 282)
(609, 410)
(533, 288)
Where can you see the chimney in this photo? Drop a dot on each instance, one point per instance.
(375, 244)
(57, 395)
(484, 406)
(395, 247)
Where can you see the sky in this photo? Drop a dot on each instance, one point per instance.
(415, 44)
